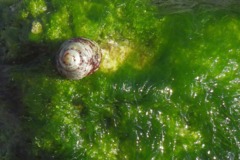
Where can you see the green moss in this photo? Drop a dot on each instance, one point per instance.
(35, 7)
(174, 93)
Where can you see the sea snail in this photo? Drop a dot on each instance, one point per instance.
(78, 57)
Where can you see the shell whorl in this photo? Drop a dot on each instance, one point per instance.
(78, 57)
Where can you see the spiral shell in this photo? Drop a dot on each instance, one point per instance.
(78, 57)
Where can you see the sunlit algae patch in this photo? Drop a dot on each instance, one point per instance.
(168, 85)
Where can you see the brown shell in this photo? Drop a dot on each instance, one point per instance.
(78, 57)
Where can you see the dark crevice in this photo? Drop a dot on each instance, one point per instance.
(12, 111)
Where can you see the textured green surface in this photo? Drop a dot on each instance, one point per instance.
(176, 95)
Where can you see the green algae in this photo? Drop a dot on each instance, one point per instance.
(175, 95)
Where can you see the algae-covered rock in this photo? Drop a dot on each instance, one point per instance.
(168, 86)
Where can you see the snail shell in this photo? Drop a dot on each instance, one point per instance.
(78, 57)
